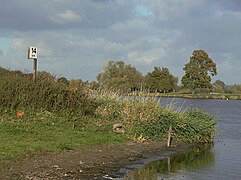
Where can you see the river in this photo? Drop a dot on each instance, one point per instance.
(219, 161)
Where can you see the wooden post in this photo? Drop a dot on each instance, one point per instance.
(34, 70)
(169, 136)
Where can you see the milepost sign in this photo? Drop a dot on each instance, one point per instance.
(33, 54)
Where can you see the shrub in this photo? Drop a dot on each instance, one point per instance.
(17, 91)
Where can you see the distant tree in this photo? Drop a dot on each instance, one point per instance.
(219, 83)
(160, 80)
(198, 71)
(233, 89)
(218, 86)
(119, 76)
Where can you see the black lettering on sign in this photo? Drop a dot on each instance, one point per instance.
(34, 50)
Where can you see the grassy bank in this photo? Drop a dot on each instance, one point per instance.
(52, 116)
(44, 131)
(193, 96)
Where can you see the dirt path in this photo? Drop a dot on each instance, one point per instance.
(90, 163)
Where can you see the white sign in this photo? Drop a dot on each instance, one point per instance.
(32, 53)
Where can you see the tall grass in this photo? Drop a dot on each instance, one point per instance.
(144, 116)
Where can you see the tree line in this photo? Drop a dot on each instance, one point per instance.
(199, 70)
(118, 76)
(123, 77)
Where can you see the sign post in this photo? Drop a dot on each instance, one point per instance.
(33, 54)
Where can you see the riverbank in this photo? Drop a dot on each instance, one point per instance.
(192, 96)
(92, 162)
(69, 121)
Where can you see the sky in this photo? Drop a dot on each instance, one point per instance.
(76, 38)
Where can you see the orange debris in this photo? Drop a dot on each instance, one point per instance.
(19, 114)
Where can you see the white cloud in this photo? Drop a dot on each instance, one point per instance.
(68, 16)
(112, 47)
(146, 57)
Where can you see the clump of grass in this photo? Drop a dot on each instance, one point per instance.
(144, 116)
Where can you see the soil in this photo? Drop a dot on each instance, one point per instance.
(90, 163)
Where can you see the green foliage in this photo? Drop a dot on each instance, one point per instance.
(18, 92)
(218, 86)
(160, 80)
(219, 83)
(63, 81)
(145, 116)
(198, 70)
(233, 89)
(116, 75)
(201, 91)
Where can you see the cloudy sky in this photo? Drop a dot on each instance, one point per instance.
(76, 38)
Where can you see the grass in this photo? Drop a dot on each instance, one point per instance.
(20, 138)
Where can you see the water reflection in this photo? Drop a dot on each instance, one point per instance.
(190, 160)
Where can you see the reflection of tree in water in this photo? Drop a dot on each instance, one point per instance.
(194, 159)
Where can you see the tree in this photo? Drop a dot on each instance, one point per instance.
(119, 76)
(219, 83)
(218, 86)
(160, 80)
(198, 71)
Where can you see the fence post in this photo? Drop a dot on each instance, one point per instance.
(169, 136)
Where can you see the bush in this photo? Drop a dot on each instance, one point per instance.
(17, 91)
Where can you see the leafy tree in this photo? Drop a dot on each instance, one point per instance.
(198, 71)
(219, 83)
(218, 86)
(119, 76)
(160, 80)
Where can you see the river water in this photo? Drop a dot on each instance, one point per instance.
(219, 161)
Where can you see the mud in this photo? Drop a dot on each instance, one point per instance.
(94, 162)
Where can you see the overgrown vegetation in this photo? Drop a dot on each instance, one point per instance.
(60, 115)
(17, 91)
(145, 117)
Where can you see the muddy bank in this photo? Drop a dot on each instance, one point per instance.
(89, 163)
